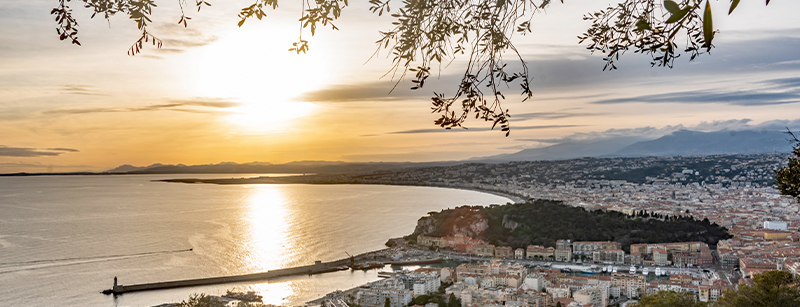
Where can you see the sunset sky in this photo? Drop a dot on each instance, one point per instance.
(216, 92)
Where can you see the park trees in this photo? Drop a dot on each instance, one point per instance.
(670, 299)
(427, 33)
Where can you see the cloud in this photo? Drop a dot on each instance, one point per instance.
(181, 105)
(369, 91)
(179, 39)
(457, 130)
(6, 151)
(777, 91)
(77, 89)
(552, 115)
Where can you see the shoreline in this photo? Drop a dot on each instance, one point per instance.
(515, 198)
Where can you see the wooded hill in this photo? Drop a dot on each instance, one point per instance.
(542, 222)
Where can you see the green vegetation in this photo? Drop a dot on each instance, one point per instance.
(787, 178)
(542, 222)
(769, 289)
(670, 299)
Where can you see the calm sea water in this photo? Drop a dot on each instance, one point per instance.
(64, 238)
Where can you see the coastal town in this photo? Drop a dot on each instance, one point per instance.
(733, 191)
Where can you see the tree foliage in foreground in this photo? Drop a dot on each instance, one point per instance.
(768, 289)
(431, 33)
(670, 299)
(787, 179)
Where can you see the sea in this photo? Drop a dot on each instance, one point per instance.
(63, 239)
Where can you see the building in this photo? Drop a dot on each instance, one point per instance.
(564, 244)
(519, 253)
(539, 252)
(563, 254)
(775, 225)
(608, 255)
(503, 252)
(586, 248)
(376, 293)
(596, 296)
(483, 250)
(558, 291)
(535, 282)
(660, 257)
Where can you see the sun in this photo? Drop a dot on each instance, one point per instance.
(262, 76)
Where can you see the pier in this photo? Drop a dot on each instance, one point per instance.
(317, 268)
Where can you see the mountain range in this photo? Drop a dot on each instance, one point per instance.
(678, 143)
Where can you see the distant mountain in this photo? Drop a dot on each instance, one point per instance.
(299, 167)
(567, 150)
(691, 143)
(678, 143)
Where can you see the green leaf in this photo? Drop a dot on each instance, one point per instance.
(708, 25)
(671, 6)
(678, 15)
(734, 3)
(642, 25)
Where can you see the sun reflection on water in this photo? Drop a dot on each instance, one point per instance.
(269, 238)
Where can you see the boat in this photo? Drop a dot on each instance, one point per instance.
(367, 265)
(658, 271)
(645, 271)
(250, 296)
(415, 261)
(566, 270)
(633, 269)
(613, 269)
(605, 269)
(588, 271)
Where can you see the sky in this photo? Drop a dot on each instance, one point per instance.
(216, 92)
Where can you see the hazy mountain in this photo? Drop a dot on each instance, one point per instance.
(689, 143)
(567, 150)
(298, 167)
(678, 143)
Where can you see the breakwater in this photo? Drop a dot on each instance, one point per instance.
(316, 268)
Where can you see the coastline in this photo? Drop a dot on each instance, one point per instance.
(515, 198)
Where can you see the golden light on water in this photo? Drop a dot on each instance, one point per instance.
(269, 239)
(268, 228)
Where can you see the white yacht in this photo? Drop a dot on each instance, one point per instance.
(645, 271)
(613, 269)
(633, 269)
(658, 272)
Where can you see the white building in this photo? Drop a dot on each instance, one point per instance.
(378, 292)
(596, 296)
(775, 225)
(535, 282)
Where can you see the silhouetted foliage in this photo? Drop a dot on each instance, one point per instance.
(787, 179)
(430, 33)
(201, 300)
(542, 222)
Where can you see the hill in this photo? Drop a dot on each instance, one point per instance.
(542, 222)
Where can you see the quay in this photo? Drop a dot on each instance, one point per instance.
(317, 268)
